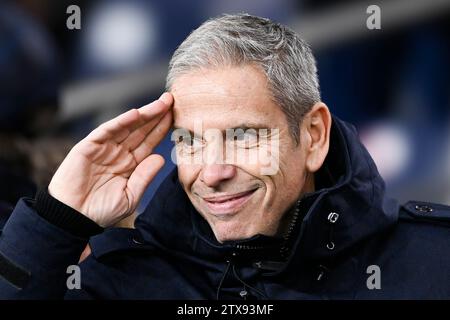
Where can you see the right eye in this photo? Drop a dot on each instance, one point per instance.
(189, 144)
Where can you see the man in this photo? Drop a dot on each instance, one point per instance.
(318, 226)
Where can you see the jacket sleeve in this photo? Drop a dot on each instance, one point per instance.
(35, 256)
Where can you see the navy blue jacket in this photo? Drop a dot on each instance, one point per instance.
(349, 241)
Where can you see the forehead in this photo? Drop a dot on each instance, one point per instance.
(221, 98)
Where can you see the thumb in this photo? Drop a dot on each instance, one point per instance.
(142, 176)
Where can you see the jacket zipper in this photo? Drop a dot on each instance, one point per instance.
(286, 238)
(284, 251)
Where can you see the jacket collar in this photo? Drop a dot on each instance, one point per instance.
(351, 210)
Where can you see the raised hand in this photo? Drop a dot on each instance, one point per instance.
(105, 174)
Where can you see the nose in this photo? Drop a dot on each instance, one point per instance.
(213, 174)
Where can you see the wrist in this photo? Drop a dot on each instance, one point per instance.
(64, 216)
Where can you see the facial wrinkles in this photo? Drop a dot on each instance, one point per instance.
(236, 187)
(222, 100)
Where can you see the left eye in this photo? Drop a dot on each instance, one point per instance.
(246, 139)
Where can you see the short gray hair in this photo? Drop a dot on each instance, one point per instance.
(240, 39)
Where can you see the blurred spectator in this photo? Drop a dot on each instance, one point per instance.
(15, 171)
(394, 88)
(29, 79)
(29, 75)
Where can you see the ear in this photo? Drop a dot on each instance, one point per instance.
(316, 127)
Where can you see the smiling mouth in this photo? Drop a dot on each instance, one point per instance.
(227, 205)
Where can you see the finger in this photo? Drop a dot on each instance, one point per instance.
(157, 107)
(147, 115)
(136, 137)
(150, 115)
(142, 176)
(119, 128)
(153, 138)
(167, 98)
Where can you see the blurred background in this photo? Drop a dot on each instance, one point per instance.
(57, 84)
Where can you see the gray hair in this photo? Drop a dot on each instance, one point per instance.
(239, 39)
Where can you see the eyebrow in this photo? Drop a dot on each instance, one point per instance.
(242, 126)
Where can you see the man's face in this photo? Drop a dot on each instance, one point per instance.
(236, 195)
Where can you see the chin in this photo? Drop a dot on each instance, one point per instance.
(231, 231)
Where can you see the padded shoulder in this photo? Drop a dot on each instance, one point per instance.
(425, 211)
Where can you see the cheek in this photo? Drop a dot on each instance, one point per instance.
(292, 157)
(256, 161)
(290, 178)
(187, 174)
(292, 172)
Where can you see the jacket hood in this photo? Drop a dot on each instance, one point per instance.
(348, 207)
